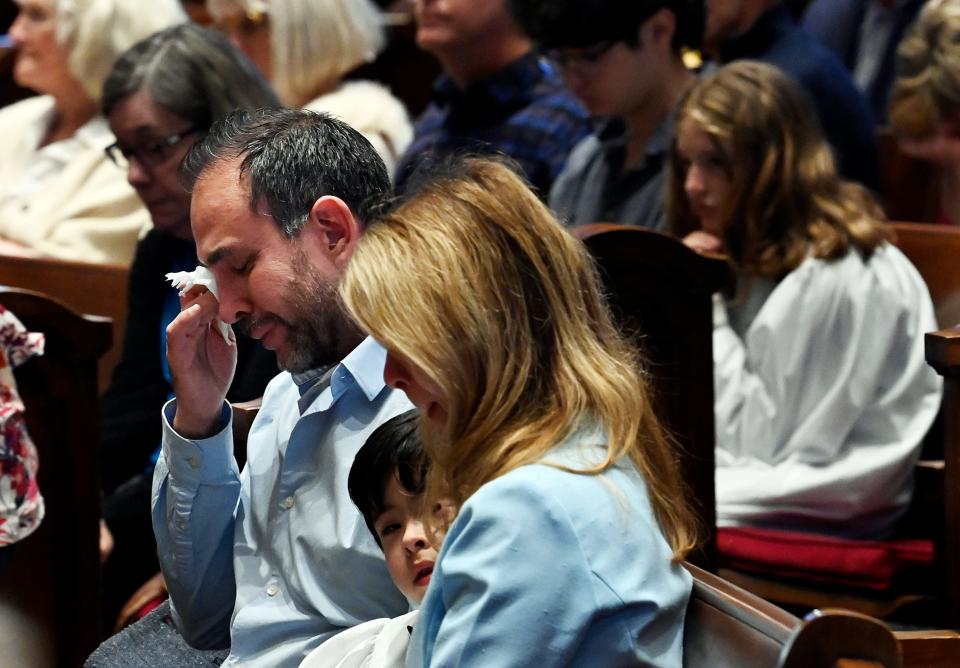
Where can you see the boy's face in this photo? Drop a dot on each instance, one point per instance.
(617, 79)
(409, 555)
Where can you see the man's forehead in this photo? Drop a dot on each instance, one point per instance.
(220, 198)
(220, 173)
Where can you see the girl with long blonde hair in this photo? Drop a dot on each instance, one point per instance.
(537, 419)
(822, 392)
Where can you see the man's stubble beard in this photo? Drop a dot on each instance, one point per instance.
(315, 337)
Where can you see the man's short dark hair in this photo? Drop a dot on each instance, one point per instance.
(392, 450)
(293, 157)
(557, 24)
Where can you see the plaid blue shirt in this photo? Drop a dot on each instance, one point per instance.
(524, 111)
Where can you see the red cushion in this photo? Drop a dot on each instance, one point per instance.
(852, 563)
(149, 606)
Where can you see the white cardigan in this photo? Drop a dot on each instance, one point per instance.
(372, 110)
(823, 396)
(65, 200)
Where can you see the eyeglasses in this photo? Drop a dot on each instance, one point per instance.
(149, 156)
(578, 59)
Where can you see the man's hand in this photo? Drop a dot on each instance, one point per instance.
(202, 365)
(106, 542)
(704, 242)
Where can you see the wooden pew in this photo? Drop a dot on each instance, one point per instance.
(660, 292)
(95, 289)
(54, 574)
(728, 627)
(909, 187)
(935, 251)
(943, 354)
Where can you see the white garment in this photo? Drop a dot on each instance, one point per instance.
(379, 643)
(375, 113)
(65, 200)
(821, 404)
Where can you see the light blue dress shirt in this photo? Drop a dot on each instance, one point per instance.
(543, 567)
(277, 557)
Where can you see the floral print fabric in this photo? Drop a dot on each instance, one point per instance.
(21, 505)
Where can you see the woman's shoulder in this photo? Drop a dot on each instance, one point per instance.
(886, 270)
(553, 491)
(24, 122)
(361, 101)
(28, 109)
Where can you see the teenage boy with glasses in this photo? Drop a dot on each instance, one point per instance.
(623, 60)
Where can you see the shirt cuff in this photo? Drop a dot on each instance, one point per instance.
(204, 461)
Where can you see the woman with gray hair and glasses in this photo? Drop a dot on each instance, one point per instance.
(59, 196)
(162, 96)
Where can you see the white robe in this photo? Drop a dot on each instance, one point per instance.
(823, 397)
(379, 643)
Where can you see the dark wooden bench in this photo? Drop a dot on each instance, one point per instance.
(728, 627)
(661, 292)
(54, 574)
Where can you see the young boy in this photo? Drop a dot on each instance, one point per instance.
(386, 483)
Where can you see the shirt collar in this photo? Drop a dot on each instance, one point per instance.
(363, 367)
(614, 133)
(513, 82)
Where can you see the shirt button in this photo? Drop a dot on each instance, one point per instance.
(194, 462)
(288, 502)
(273, 590)
(182, 524)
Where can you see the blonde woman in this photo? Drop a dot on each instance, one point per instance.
(307, 47)
(59, 194)
(572, 520)
(822, 393)
(925, 105)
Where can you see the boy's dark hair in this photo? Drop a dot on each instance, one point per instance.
(393, 449)
(557, 24)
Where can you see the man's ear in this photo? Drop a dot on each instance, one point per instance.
(333, 228)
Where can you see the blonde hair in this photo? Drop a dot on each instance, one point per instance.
(927, 89)
(787, 200)
(97, 31)
(313, 43)
(475, 282)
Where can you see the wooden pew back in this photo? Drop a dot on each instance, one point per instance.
(728, 627)
(660, 292)
(909, 187)
(943, 354)
(54, 574)
(94, 289)
(935, 250)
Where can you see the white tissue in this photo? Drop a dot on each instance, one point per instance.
(184, 281)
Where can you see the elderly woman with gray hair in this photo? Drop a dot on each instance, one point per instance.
(307, 48)
(59, 196)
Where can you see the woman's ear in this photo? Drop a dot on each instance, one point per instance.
(334, 229)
